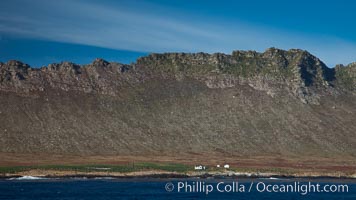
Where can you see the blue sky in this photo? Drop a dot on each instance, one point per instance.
(40, 32)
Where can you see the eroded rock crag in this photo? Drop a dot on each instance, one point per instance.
(287, 103)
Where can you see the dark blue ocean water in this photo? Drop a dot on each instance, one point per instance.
(95, 189)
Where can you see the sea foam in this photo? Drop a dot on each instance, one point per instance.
(27, 178)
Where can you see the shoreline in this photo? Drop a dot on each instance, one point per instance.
(65, 166)
(156, 174)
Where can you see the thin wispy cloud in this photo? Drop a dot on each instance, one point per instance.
(149, 28)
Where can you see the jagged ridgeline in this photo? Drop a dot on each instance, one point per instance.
(247, 103)
(274, 63)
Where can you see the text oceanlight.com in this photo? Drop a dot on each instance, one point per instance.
(302, 188)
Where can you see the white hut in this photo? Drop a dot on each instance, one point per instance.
(199, 167)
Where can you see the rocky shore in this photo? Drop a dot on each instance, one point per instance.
(165, 174)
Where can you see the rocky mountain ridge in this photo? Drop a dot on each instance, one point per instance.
(282, 103)
(296, 69)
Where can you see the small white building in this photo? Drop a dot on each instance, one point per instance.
(199, 167)
(226, 166)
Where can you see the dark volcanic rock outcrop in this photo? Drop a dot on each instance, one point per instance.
(284, 103)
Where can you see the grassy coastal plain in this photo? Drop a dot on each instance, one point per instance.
(169, 166)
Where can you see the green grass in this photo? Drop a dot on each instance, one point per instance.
(13, 169)
(132, 167)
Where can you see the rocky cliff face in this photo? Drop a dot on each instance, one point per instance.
(346, 76)
(283, 102)
(296, 71)
(100, 77)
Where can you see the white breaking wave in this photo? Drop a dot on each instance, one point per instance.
(27, 178)
(273, 178)
(104, 178)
